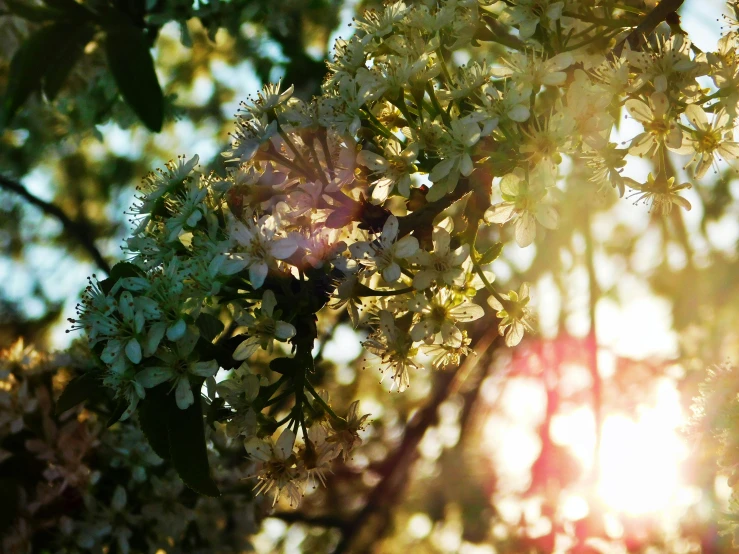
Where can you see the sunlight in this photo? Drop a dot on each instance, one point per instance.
(640, 458)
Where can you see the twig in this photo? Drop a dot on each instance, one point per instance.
(395, 468)
(660, 13)
(300, 517)
(78, 231)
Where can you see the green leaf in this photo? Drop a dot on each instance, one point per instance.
(491, 254)
(29, 64)
(117, 412)
(120, 271)
(78, 390)
(126, 269)
(284, 366)
(67, 56)
(153, 412)
(210, 326)
(187, 447)
(132, 67)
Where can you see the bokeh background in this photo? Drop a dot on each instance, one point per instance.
(573, 442)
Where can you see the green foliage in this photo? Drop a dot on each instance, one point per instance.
(178, 436)
(81, 388)
(129, 59)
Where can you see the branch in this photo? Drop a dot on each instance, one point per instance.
(660, 13)
(300, 517)
(395, 468)
(79, 232)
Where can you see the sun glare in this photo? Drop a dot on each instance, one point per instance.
(640, 458)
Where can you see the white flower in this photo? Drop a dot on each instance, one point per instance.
(279, 469)
(259, 248)
(395, 349)
(395, 168)
(455, 151)
(178, 366)
(524, 207)
(514, 314)
(659, 126)
(384, 252)
(709, 140)
(443, 265)
(527, 14)
(262, 329)
(440, 315)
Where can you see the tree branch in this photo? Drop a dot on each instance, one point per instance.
(395, 468)
(660, 13)
(73, 228)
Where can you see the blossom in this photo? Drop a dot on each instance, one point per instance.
(442, 265)
(262, 328)
(177, 366)
(395, 168)
(455, 151)
(523, 205)
(279, 470)
(440, 314)
(395, 349)
(669, 58)
(708, 140)
(444, 355)
(527, 14)
(659, 126)
(385, 252)
(661, 193)
(514, 314)
(240, 391)
(529, 70)
(257, 248)
(345, 432)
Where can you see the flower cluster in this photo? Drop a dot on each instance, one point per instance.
(384, 195)
(70, 485)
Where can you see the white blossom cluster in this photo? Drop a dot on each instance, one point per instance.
(75, 487)
(342, 202)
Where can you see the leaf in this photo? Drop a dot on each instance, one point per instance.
(10, 504)
(120, 271)
(126, 269)
(69, 7)
(491, 254)
(117, 412)
(210, 326)
(32, 12)
(153, 413)
(132, 66)
(66, 58)
(29, 64)
(284, 366)
(187, 447)
(78, 390)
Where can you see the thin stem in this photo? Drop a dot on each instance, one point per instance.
(322, 402)
(437, 106)
(307, 168)
(317, 163)
(371, 292)
(327, 152)
(489, 285)
(378, 126)
(279, 397)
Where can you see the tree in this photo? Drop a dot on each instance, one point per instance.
(445, 138)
